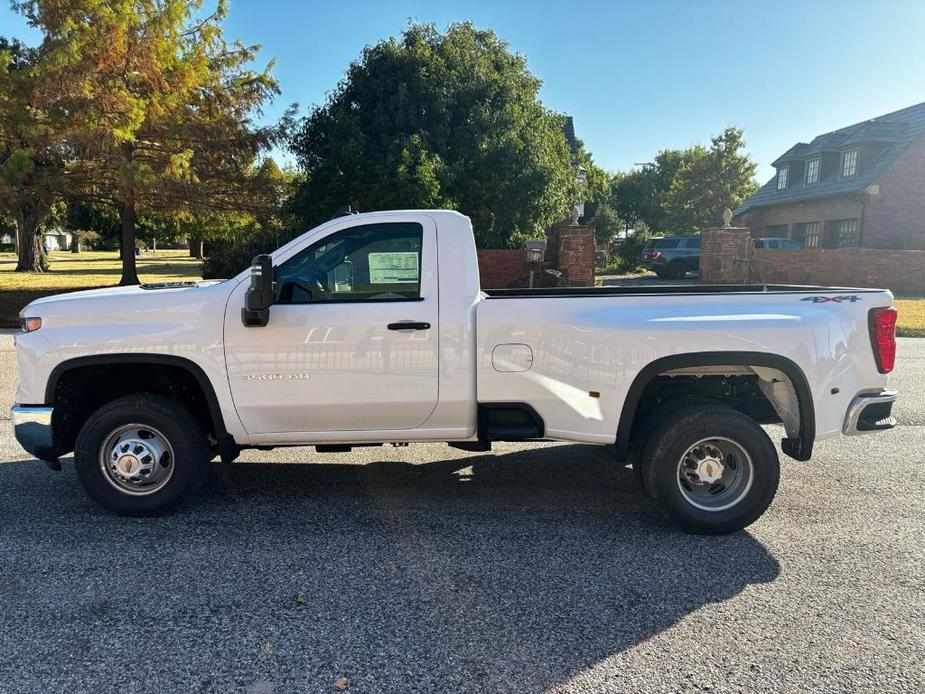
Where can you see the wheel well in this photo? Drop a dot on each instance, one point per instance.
(667, 393)
(78, 392)
(767, 388)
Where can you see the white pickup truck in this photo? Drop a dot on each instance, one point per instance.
(372, 329)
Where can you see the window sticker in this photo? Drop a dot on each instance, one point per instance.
(393, 268)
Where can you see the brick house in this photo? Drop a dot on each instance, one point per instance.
(862, 186)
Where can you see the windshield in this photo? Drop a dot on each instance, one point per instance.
(663, 244)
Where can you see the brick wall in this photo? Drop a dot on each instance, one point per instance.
(725, 255)
(499, 268)
(791, 214)
(899, 271)
(895, 216)
(569, 250)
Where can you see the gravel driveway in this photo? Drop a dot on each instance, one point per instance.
(426, 569)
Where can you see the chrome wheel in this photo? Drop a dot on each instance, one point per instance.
(137, 459)
(715, 474)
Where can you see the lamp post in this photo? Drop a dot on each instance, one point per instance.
(578, 209)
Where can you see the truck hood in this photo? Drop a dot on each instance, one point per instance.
(139, 316)
(144, 290)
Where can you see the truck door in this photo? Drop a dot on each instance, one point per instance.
(352, 339)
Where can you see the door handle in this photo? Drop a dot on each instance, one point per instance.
(409, 325)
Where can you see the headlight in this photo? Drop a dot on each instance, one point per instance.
(29, 324)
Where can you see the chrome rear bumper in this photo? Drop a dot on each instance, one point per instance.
(870, 412)
(32, 428)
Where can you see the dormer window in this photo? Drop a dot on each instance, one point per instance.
(812, 171)
(782, 174)
(849, 163)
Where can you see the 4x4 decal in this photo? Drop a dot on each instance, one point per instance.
(837, 299)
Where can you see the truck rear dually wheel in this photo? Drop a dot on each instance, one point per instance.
(141, 454)
(710, 469)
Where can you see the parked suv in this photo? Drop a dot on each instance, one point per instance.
(672, 256)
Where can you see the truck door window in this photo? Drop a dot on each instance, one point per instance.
(372, 262)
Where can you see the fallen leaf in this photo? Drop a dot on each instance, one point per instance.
(341, 683)
(300, 599)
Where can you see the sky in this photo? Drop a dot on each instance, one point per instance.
(639, 76)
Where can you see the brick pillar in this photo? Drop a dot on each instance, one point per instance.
(725, 255)
(570, 250)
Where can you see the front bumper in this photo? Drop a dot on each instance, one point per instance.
(32, 428)
(870, 412)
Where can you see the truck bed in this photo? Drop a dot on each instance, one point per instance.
(575, 361)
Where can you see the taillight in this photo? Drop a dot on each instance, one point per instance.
(882, 323)
(656, 255)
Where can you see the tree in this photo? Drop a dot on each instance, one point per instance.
(436, 119)
(630, 251)
(236, 238)
(607, 225)
(85, 222)
(708, 181)
(158, 105)
(31, 163)
(638, 195)
(598, 211)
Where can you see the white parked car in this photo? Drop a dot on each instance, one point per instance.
(372, 328)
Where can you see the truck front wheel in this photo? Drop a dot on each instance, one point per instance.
(141, 454)
(710, 469)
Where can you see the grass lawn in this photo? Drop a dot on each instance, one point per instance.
(911, 321)
(86, 270)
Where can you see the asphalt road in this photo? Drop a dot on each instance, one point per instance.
(426, 569)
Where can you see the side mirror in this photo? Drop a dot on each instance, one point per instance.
(259, 296)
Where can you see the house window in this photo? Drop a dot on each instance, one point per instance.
(810, 234)
(812, 171)
(849, 163)
(777, 230)
(782, 177)
(847, 233)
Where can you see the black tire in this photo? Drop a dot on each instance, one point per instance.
(677, 270)
(671, 490)
(187, 465)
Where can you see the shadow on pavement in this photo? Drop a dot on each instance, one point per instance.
(486, 573)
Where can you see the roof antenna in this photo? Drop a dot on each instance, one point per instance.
(344, 211)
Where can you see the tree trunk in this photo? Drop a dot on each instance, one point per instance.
(195, 246)
(29, 242)
(75, 243)
(129, 273)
